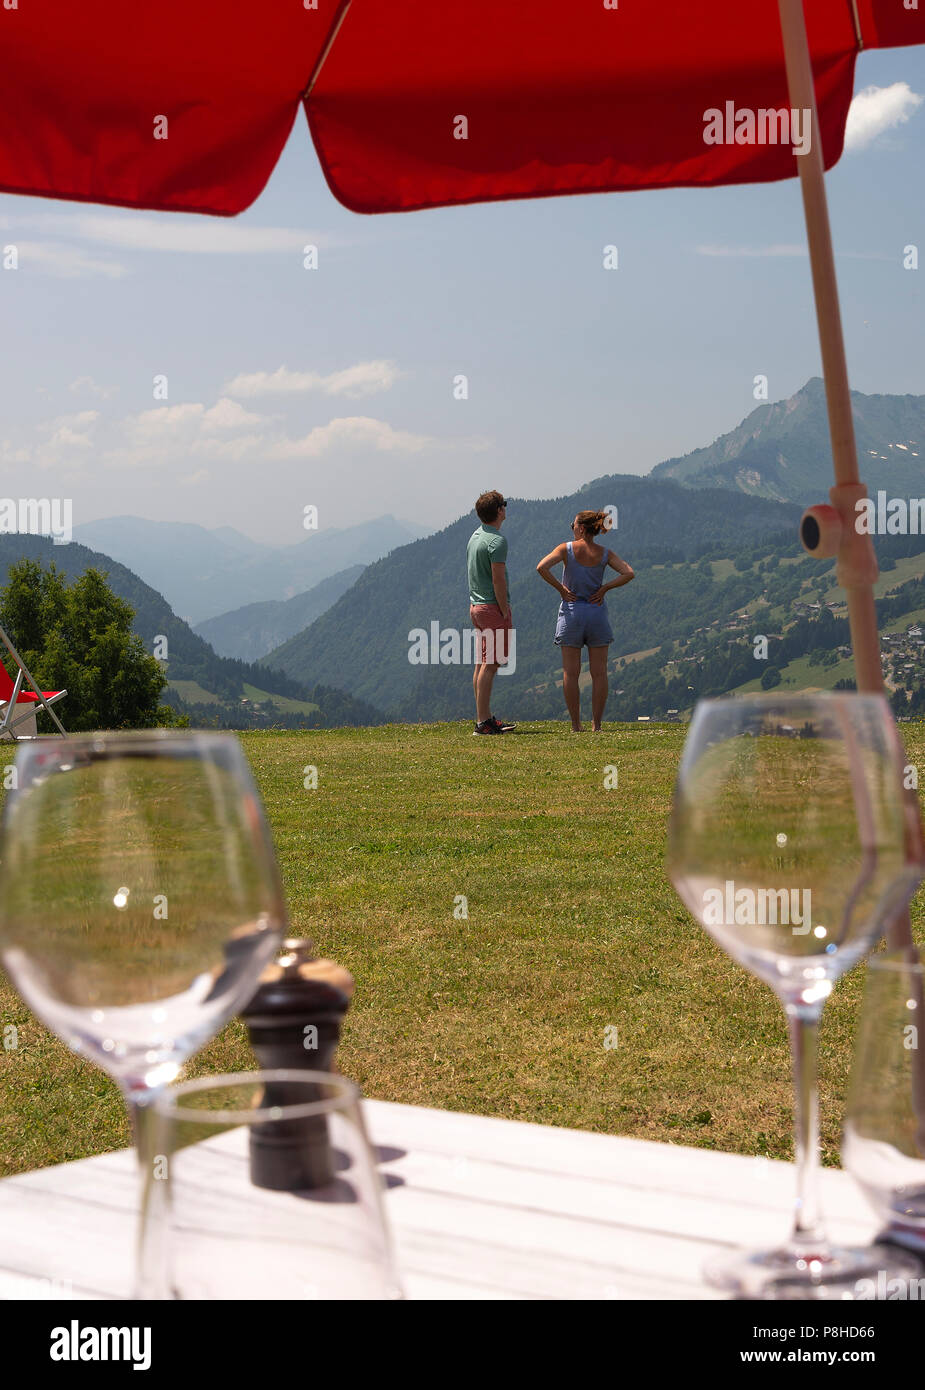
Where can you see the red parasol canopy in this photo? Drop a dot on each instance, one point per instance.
(558, 98)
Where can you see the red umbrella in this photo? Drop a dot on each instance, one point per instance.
(413, 104)
(557, 98)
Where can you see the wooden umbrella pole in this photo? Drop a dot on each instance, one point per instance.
(857, 563)
(857, 569)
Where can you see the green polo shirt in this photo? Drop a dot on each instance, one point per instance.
(486, 547)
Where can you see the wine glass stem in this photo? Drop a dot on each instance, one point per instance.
(803, 1020)
(138, 1104)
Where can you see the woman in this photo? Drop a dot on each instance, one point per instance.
(583, 619)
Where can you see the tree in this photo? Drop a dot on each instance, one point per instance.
(770, 678)
(79, 637)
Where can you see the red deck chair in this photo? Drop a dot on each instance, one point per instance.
(18, 706)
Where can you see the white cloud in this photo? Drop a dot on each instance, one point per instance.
(363, 379)
(189, 418)
(68, 436)
(785, 249)
(238, 447)
(80, 420)
(11, 456)
(228, 415)
(183, 442)
(65, 437)
(780, 249)
(66, 262)
(169, 420)
(876, 110)
(87, 384)
(354, 431)
(188, 428)
(174, 232)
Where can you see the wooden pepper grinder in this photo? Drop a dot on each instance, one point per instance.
(294, 1021)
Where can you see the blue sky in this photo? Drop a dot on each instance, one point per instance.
(334, 387)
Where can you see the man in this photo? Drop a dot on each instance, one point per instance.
(489, 609)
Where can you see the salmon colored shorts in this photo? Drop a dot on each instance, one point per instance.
(494, 629)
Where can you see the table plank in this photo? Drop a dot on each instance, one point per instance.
(481, 1208)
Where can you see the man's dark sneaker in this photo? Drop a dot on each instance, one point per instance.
(488, 726)
(503, 726)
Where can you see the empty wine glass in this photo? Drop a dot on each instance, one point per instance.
(220, 1221)
(140, 896)
(793, 842)
(883, 1146)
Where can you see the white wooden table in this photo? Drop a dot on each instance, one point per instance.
(480, 1209)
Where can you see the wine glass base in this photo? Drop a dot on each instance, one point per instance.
(839, 1273)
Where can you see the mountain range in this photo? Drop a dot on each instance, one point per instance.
(735, 503)
(782, 451)
(203, 573)
(250, 632)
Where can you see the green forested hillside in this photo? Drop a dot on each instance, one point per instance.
(189, 658)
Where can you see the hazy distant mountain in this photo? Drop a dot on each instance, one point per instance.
(782, 450)
(203, 573)
(237, 539)
(252, 631)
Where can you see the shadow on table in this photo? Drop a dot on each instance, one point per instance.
(340, 1190)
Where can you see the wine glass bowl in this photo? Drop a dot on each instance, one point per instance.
(140, 896)
(789, 834)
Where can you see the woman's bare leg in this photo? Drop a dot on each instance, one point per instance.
(571, 670)
(597, 661)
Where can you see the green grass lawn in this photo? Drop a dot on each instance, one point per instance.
(907, 567)
(911, 619)
(572, 929)
(193, 692)
(799, 674)
(282, 702)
